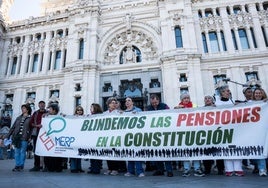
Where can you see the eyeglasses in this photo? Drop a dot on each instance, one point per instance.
(79, 110)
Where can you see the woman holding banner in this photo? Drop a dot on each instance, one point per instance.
(75, 163)
(132, 164)
(259, 95)
(113, 166)
(95, 164)
(187, 103)
(232, 166)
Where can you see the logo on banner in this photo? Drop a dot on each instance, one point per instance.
(56, 125)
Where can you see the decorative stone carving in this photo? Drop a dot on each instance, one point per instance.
(137, 38)
(129, 56)
(241, 19)
(211, 22)
(263, 15)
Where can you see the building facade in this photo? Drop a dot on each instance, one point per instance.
(80, 51)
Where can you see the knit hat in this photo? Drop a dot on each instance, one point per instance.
(184, 95)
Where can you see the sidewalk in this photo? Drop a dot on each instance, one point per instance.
(65, 179)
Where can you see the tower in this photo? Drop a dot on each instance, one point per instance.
(48, 6)
(4, 9)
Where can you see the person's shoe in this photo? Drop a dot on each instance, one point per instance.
(74, 171)
(229, 174)
(158, 173)
(220, 172)
(239, 173)
(108, 172)
(199, 173)
(34, 169)
(169, 174)
(45, 169)
(81, 171)
(128, 174)
(262, 173)
(186, 173)
(141, 175)
(93, 172)
(114, 172)
(16, 169)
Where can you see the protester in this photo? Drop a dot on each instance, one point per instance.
(187, 103)
(21, 132)
(232, 166)
(155, 104)
(260, 95)
(130, 108)
(75, 163)
(113, 166)
(209, 102)
(36, 125)
(53, 164)
(95, 164)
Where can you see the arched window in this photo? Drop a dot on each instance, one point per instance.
(130, 54)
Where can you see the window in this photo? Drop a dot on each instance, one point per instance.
(253, 37)
(17, 40)
(28, 64)
(81, 49)
(7, 65)
(42, 58)
(154, 83)
(60, 33)
(77, 101)
(243, 38)
(252, 75)
(55, 93)
(199, 13)
(57, 60)
(236, 9)
(178, 37)
(214, 44)
(77, 87)
(208, 12)
(223, 41)
(184, 90)
(14, 66)
(265, 5)
(35, 63)
(205, 46)
(234, 40)
(107, 87)
(31, 95)
(50, 59)
(64, 60)
(264, 36)
(183, 77)
(38, 36)
(218, 78)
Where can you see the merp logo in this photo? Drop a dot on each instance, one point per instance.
(64, 141)
(56, 125)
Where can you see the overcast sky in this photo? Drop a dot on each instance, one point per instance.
(23, 9)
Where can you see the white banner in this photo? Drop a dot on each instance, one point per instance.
(230, 132)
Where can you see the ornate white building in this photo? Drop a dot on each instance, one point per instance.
(83, 51)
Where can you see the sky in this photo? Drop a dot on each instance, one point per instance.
(23, 9)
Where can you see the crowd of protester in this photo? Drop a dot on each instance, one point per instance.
(27, 125)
